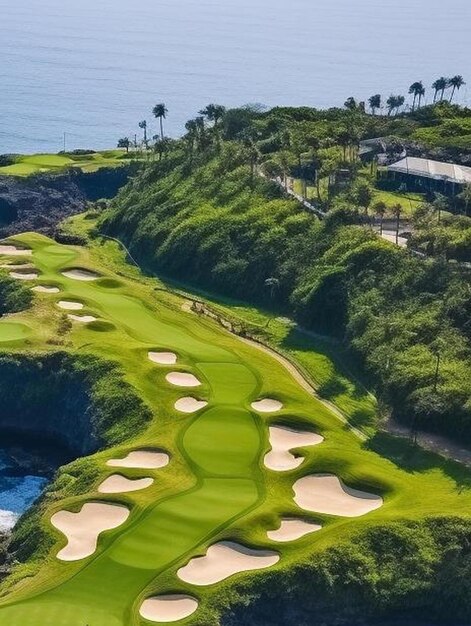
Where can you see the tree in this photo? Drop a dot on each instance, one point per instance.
(421, 94)
(417, 90)
(273, 285)
(380, 210)
(160, 112)
(440, 204)
(124, 142)
(394, 103)
(213, 113)
(440, 85)
(397, 211)
(375, 103)
(351, 104)
(456, 83)
(465, 196)
(143, 125)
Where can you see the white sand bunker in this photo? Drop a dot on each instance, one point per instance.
(223, 560)
(80, 274)
(142, 459)
(163, 358)
(14, 251)
(44, 289)
(189, 405)
(182, 379)
(82, 529)
(84, 319)
(291, 529)
(120, 484)
(69, 306)
(325, 493)
(16, 266)
(24, 275)
(284, 439)
(267, 405)
(169, 608)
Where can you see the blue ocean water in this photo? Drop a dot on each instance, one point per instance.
(94, 68)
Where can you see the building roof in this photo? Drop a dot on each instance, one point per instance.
(433, 169)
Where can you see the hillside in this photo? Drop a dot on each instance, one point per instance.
(204, 215)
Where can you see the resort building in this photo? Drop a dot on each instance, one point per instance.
(426, 175)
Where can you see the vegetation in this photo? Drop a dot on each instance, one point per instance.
(216, 487)
(203, 216)
(14, 296)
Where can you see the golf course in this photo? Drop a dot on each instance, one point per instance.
(240, 470)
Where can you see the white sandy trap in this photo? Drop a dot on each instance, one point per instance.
(169, 608)
(267, 405)
(44, 289)
(189, 405)
(163, 358)
(182, 379)
(77, 274)
(142, 459)
(291, 529)
(70, 306)
(84, 319)
(82, 529)
(284, 439)
(325, 493)
(14, 251)
(223, 560)
(120, 484)
(24, 275)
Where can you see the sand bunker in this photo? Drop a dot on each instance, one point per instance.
(14, 251)
(16, 266)
(223, 560)
(163, 358)
(69, 306)
(43, 289)
(142, 459)
(82, 529)
(189, 405)
(169, 608)
(291, 529)
(325, 493)
(24, 275)
(120, 484)
(80, 275)
(85, 319)
(266, 405)
(182, 379)
(284, 439)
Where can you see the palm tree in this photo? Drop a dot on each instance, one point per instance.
(375, 103)
(213, 113)
(456, 82)
(465, 196)
(143, 125)
(440, 85)
(421, 94)
(416, 89)
(380, 209)
(394, 103)
(397, 210)
(125, 142)
(160, 112)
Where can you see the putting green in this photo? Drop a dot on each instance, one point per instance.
(215, 486)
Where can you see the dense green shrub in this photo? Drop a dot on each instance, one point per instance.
(14, 296)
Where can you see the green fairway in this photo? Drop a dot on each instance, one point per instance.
(26, 165)
(216, 486)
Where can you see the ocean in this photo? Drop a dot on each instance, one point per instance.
(92, 69)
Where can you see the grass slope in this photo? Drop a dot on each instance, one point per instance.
(206, 493)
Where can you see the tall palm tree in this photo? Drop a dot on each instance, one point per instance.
(160, 112)
(380, 209)
(440, 85)
(143, 125)
(375, 103)
(415, 89)
(421, 94)
(456, 83)
(394, 103)
(397, 210)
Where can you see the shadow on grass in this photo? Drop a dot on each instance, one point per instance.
(407, 455)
